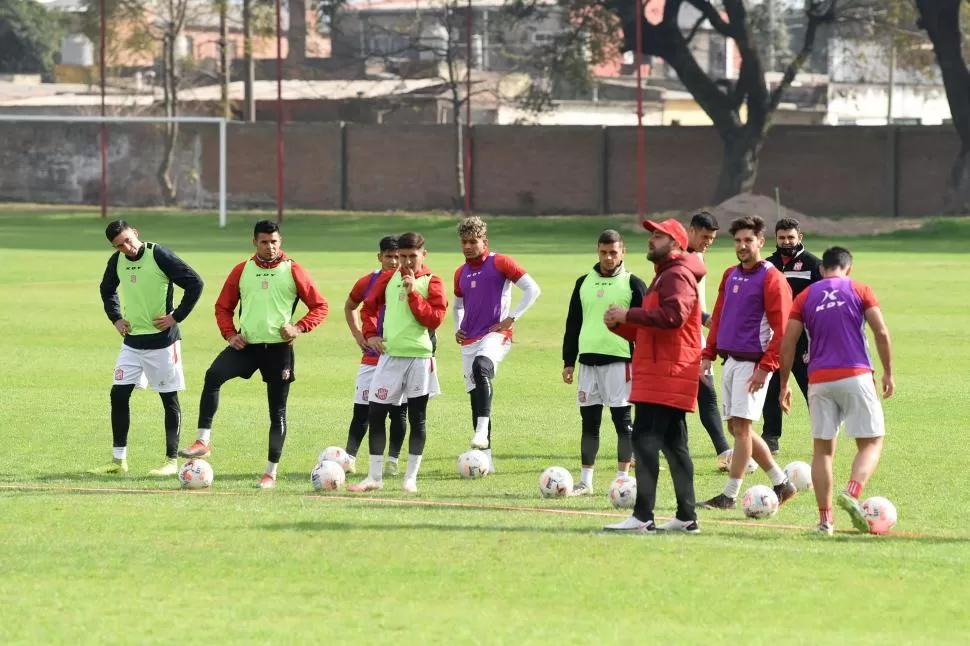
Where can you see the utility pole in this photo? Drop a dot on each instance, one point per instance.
(892, 80)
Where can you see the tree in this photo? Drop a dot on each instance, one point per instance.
(30, 36)
(941, 21)
(296, 34)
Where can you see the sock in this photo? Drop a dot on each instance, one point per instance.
(481, 425)
(825, 515)
(854, 488)
(120, 452)
(204, 434)
(271, 469)
(622, 473)
(776, 475)
(587, 476)
(732, 487)
(376, 472)
(393, 459)
(414, 463)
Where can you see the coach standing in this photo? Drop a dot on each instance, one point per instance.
(801, 269)
(666, 331)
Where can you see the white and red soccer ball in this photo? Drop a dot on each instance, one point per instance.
(338, 455)
(724, 462)
(880, 514)
(196, 474)
(799, 474)
(759, 501)
(473, 464)
(555, 482)
(623, 492)
(328, 476)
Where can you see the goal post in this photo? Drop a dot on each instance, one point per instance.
(218, 121)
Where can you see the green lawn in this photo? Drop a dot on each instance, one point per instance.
(235, 565)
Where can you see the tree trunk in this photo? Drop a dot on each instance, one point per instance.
(460, 159)
(224, 58)
(957, 199)
(249, 78)
(739, 169)
(296, 36)
(170, 85)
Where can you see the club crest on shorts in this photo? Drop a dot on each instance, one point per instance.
(119, 374)
(382, 393)
(582, 397)
(365, 395)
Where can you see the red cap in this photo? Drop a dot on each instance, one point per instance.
(672, 228)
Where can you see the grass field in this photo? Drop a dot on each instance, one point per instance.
(82, 562)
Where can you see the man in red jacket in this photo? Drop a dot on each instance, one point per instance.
(666, 369)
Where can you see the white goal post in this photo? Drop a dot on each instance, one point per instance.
(220, 121)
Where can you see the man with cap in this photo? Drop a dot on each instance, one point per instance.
(666, 332)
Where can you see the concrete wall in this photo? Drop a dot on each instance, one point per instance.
(515, 169)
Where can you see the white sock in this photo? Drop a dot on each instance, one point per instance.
(204, 434)
(376, 472)
(776, 475)
(414, 463)
(732, 487)
(587, 476)
(481, 425)
(392, 459)
(622, 473)
(271, 469)
(120, 452)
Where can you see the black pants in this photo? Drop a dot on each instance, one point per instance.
(275, 362)
(772, 409)
(662, 428)
(711, 416)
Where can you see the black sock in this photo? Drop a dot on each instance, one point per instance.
(276, 394)
(399, 429)
(623, 423)
(120, 414)
(418, 416)
(377, 433)
(590, 444)
(173, 423)
(358, 429)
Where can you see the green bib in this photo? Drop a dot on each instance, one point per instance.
(268, 297)
(596, 294)
(144, 290)
(405, 336)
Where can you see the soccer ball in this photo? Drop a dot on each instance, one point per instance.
(800, 475)
(327, 476)
(473, 464)
(759, 502)
(196, 474)
(336, 454)
(880, 513)
(555, 482)
(724, 462)
(623, 492)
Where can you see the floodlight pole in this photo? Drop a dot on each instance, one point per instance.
(279, 114)
(468, 110)
(638, 57)
(104, 126)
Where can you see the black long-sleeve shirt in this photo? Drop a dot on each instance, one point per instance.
(178, 273)
(574, 323)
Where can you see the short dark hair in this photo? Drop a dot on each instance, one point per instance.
(390, 243)
(115, 228)
(610, 236)
(265, 226)
(754, 222)
(785, 224)
(704, 220)
(836, 258)
(410, 240)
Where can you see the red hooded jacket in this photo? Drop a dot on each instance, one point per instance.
(667, 334)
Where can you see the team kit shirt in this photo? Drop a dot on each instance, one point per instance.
(833, 313)
(485, 287)
(267, 294)
(409, 318)
(358, 294)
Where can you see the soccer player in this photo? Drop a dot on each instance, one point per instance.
(387, 257)
(483, 321)
(841, 386)
(666, 367)
(701, 234)
(414, 305)
(604, 358)
(746, 329)
(801, 269)
(151, 352)
(266, 288)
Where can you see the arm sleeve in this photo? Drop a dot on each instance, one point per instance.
(639, 289)
(710, 352)
(777, 308)
(530, 293)
(227, 301)
(372, 305)
(574, 323)
(430, 311)
(677, 292)
(358, 290)
(182, 275)
(509, 268)
(307, 291)
(797, 305)
(458, 283)
(458, 312)
(109, 290)
(867, 295)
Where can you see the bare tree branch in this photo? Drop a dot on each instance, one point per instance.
(710, 13)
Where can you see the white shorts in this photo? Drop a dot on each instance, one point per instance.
(738, 402)
(161, 369)
(399, 378)
(607, 385)
(493, 345)
(365, 375)
(852, 400)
